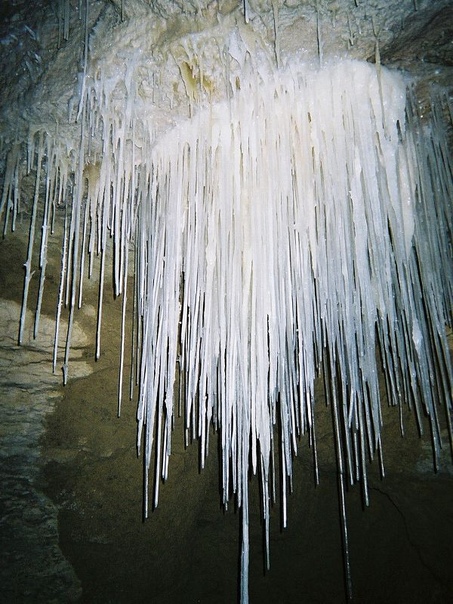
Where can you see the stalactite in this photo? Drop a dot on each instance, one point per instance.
(275, 12)
(319, 34)
(31, 236)
(64, 10)
(279, 234)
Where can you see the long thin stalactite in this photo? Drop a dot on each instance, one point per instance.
(287, 232)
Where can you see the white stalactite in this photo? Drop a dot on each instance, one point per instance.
(297, 226)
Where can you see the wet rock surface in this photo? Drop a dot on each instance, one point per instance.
(33, 567)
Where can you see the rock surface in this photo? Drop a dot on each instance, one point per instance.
(33, 568)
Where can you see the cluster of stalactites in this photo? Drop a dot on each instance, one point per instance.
(300, 225)
(296, 219)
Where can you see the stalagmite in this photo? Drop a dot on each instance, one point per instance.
(279, 235)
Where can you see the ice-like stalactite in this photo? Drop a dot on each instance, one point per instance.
(292, 230)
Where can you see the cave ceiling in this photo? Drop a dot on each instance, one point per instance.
(171, 43)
